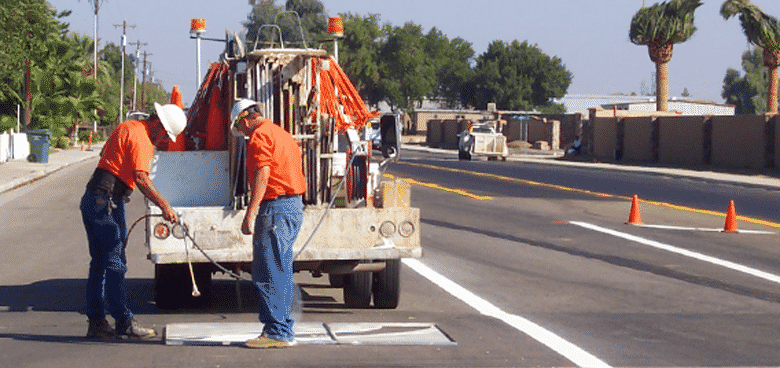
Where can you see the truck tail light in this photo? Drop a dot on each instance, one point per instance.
(161, 231)
(406, 229)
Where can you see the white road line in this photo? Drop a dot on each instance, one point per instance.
(702, 257)
(685, 228)
(572, 352)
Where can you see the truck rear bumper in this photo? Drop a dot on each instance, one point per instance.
(362, 234)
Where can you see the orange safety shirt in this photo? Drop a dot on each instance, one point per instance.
(272, 146)
(127, 150)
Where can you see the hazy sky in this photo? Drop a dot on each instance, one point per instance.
(591, 37)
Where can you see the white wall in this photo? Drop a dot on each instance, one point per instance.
(5, 147)
(20, 147)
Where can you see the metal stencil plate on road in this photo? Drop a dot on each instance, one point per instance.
(310, 333)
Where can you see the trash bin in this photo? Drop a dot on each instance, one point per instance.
(39, 145)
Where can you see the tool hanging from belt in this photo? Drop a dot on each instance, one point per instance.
(106, 183)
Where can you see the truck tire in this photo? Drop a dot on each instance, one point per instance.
(464, 155)
(336, 280)
(357, 290)
(173, 286)
(387, 285)
(169, 282)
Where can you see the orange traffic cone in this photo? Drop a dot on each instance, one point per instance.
(176, 98)
(731, 219)
(635, 217)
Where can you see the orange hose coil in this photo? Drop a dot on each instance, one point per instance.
(332, 79)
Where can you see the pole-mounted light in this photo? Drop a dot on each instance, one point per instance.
(336, 30)
(197, 27)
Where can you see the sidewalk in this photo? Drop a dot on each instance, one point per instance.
(16, 173)
(19, 172)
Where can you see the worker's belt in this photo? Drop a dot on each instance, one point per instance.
(282, 197)
(104, 182)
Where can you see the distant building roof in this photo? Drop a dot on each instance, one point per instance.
(582, 103)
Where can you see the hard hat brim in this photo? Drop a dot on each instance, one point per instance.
(165, 119)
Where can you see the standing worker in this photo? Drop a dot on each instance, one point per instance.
(275, 173)
(124, 164)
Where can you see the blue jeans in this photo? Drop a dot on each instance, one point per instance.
(106, 234)
(276, 229)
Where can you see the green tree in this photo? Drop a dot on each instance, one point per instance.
(359, 54)
(26, 28)
(763, 31)
(747, 93)
(451, 62)
(659, 27)
(519, 76)
(62, 92)
(406, 69)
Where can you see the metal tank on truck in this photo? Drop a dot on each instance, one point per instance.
(357, 226)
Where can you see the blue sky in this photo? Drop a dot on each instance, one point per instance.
(591, 37)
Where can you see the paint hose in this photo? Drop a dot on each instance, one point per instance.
(195, 292)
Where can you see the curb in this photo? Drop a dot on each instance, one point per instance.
(36, 175)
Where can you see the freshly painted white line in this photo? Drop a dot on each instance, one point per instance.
(702, 257)
(669, 227)
(570, 351)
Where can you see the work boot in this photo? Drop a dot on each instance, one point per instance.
(265, 342)
(132, 330)
(100, 329)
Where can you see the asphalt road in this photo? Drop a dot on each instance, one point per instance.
(516, 271)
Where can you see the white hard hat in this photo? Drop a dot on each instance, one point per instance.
(172, 118)
(238, 108)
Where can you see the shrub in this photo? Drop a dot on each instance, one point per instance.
(62, 142)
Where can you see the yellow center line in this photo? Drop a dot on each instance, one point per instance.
(569, 189)
(439, 187)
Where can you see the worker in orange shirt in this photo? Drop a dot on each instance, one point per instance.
(124, 164)
(273, 218)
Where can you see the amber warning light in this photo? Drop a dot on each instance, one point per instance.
(336, 27)
(198, 25)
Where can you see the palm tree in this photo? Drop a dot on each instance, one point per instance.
(763, 31)
(659, 27)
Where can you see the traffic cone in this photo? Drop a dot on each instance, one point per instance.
(176, 98)
(90, 141)
(731, 219)
(635, 217)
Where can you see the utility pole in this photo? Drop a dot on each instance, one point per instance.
(95, 44)
(143, 83)
(135, 78)
(122, 81)
(27, 94)
(94, 54)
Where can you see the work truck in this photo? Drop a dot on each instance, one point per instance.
(482, 139)
(357, 224)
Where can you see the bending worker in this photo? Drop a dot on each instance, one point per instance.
(124, 164)
(273, 218)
